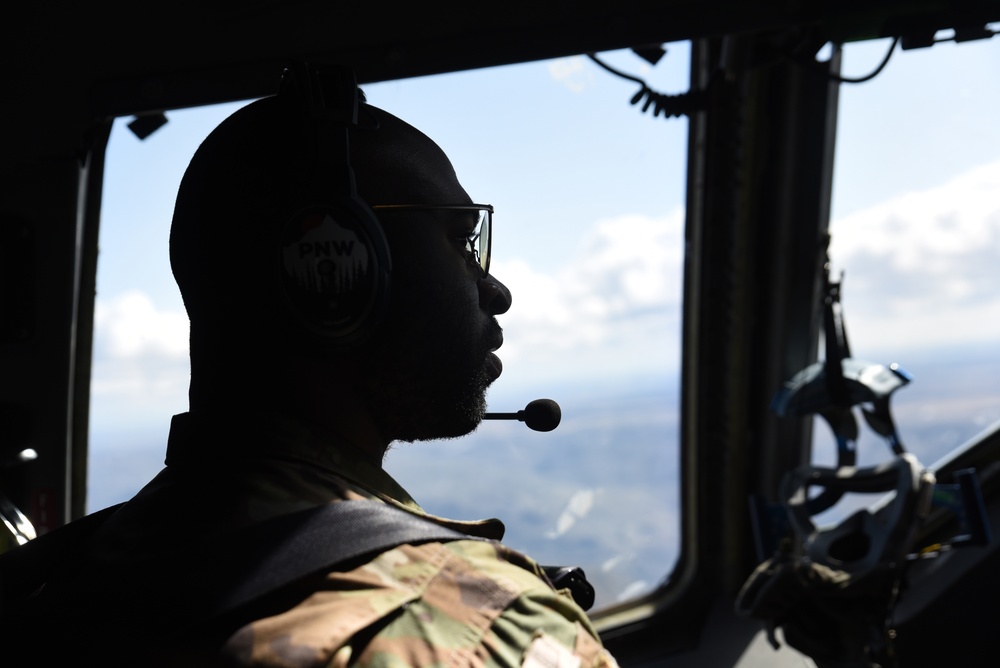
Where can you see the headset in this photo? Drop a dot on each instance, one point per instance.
(332, 259)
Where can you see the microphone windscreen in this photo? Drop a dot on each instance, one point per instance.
(542, 415)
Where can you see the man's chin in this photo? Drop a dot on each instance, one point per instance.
(460, 421)
(437, 411)
(439, 431)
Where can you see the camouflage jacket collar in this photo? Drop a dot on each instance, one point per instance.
(276, 442)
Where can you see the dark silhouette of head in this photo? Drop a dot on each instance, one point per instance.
(420, 369)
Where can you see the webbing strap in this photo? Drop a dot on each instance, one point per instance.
(277, 552)
(237, 568)
(191, 595)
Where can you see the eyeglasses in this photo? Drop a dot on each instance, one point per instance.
(479, 238)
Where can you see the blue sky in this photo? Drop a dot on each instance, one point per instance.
(588, 235)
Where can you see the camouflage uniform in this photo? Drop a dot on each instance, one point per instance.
(459, 603)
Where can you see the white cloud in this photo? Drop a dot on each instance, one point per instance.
(923, 269)
(925, 230)
(140, 371)
(614, 307)
(131, 326)
(572, 73)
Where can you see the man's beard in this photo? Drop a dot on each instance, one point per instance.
(430, 389)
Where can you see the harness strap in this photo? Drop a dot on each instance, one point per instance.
(236, 569)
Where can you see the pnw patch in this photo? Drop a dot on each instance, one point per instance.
(323, 256)
(328, 272)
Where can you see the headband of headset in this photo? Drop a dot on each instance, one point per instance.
(333, 260)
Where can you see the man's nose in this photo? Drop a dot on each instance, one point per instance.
(494, 297)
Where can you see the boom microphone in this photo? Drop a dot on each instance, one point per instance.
(540, 415)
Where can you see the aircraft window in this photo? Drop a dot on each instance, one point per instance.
(588, 235)
(916, 231)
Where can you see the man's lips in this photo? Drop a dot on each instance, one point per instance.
(494, 366)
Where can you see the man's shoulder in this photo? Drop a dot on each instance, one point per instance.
(464, 602)
(450, 578)
(487, 606)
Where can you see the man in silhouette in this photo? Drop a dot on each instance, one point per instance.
(336, 278)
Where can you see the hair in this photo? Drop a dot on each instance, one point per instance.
(236, 182)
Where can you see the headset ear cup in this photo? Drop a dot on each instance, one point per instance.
(334, 271)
